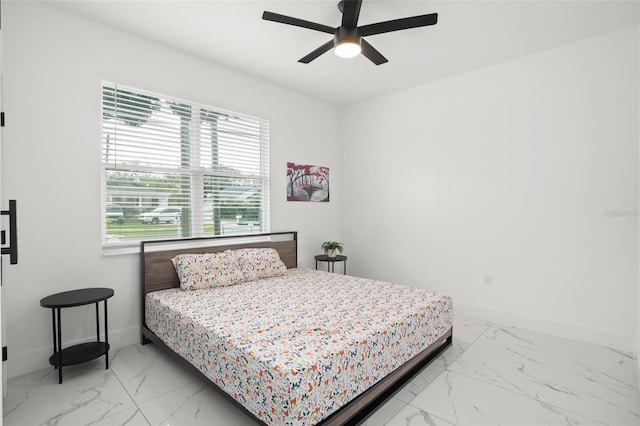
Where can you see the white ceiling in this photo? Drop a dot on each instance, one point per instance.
(469, 35)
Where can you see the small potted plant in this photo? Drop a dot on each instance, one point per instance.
(331, 248)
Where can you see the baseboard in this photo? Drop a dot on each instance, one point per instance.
(598, 336)
(22, 363)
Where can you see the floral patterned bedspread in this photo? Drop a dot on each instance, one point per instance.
(296, 348)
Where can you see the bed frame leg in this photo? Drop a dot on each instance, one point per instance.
(144, 339)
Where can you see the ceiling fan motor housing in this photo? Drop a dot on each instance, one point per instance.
(344, 34)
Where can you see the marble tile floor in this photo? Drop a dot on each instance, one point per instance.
(491, 375)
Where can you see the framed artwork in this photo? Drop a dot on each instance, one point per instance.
(307, 183)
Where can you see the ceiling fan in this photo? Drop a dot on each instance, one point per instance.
(348, 38)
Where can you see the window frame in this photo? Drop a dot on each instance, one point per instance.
(257, 172)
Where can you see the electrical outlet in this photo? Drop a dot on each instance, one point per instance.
(488, 279)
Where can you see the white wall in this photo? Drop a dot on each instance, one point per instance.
(526, 170)
(53, 65)
(637, 342)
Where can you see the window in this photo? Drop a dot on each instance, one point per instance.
(175, 169)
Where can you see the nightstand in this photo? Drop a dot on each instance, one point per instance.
(82, 352)
(331, 262)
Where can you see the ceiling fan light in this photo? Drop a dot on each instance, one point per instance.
(348, 49)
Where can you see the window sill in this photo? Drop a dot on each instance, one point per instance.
(114, 250)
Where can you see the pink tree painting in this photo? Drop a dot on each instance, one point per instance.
(307, 183)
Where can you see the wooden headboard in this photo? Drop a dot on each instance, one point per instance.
(158, 272)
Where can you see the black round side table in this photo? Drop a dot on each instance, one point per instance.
(331, 262)
(82, 352)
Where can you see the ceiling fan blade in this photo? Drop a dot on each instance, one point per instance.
(399, 24)
(350, 13)
(372, 54)
(283, 19)
(319, 51)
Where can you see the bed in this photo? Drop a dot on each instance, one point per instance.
(294, 345)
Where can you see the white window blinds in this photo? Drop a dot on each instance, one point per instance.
(175, 169)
